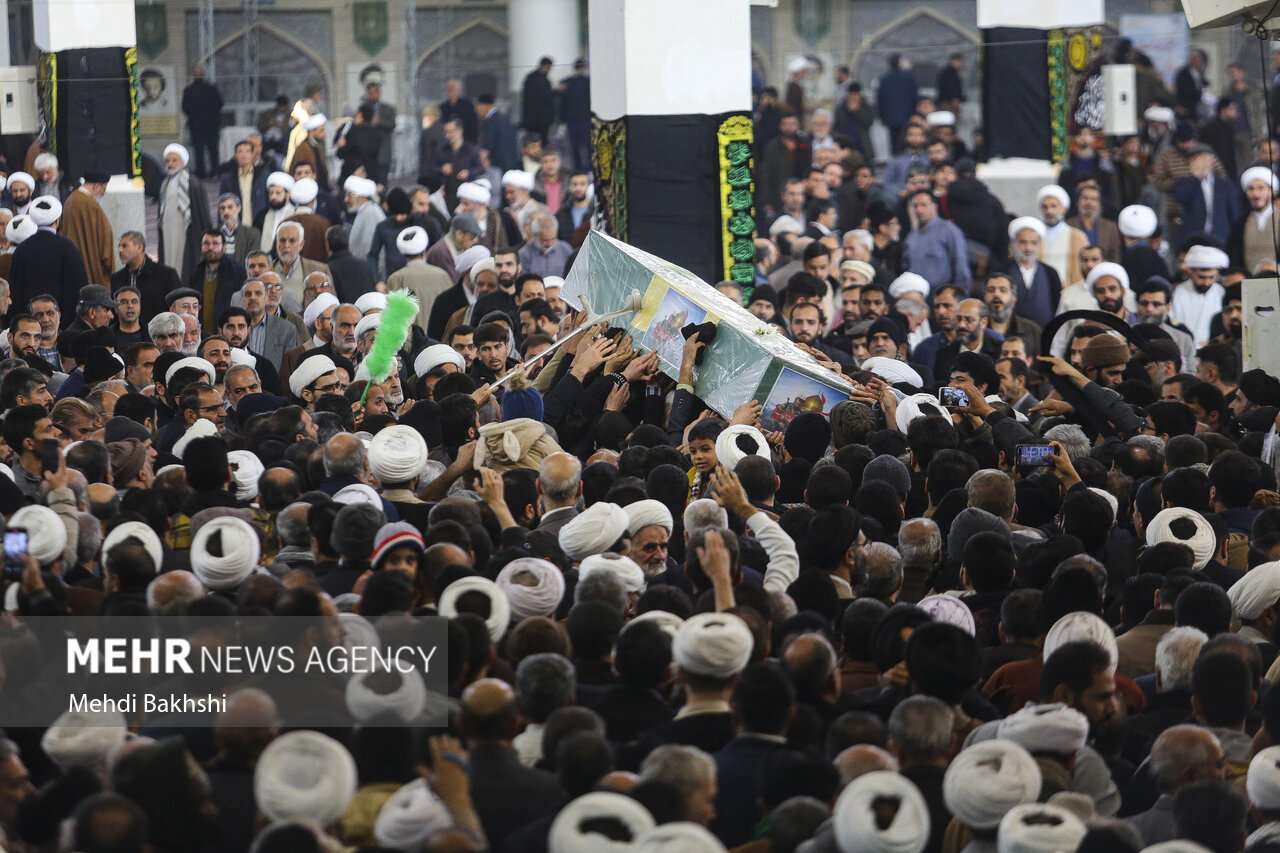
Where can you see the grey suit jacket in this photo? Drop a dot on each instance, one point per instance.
(280, 337)
(1155, 825)
(558, 519)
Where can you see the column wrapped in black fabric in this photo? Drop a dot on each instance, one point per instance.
(1015, 93)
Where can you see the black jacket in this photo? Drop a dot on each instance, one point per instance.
(537, 103)
(48, 263)
(351, 276)
(508, 795)
(231, 277)
(153, 281)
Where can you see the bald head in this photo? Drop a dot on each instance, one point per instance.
(1185, 754)
(440, 556)
(919, 541)
(344, 456)
(619, 782)
(560, 480)
(250, 722)
(489, 711)
(172, 590)
(278, 488)
(103, 500)
(604, 455)
(862, 759)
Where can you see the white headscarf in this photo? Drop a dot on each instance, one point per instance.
(83, 739)
(856, 827)
(1078, 626)
(1054, 728)
(405, 701)
(304, 775)
(987, 779)
(713, 644)
(593, 531)
(542, 598)
(1039, 828)
(568, 836)
(240, 553)
(412, 815)
(625, 568)
(499, 607)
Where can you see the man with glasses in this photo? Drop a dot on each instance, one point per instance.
(972, 321)
(275, 303)
(266, 334)
(314, 377)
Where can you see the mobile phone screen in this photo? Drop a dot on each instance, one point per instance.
(1035, 455)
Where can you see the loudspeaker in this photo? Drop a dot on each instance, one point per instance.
(1217, 13)
(92, 120)
(1120, 101)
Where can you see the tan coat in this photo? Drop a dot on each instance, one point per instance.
(85, 224)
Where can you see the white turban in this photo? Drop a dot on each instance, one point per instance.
(304, 775)
(679, 837)
(412, 241)
(713, 644)
(45, 210)
(1039, 828)
(668, 622)
(358, 493)
(949, 609)
(1137, 221)
(1164, 115)
(397, 454)
(785, 224)
(172, 148)
(474, 193)
(368, 323)
(318, 306)
(1259, 173)
(569, 836)
(30, 182)
(1204, 258)
(1263, 782)
(1053, 728)
(240, 553)
(405, 701)
(304, 191)
(248, 468)
(552, 282)
(519, 179)
(280, 179)
(358, 632)
(940, 118)
(243, 358)
(1107, 269)
(412, 815)
(539, 599)
(1078, 626)
(625, 568)
(46, 537)
(593, 531)
(1182, 845)
(192, 361)
(436, 355)
(909, 282)
(469, 258)
(647, 513)
(1023, 223)
(1202, 541)
(488, 265)
(19, 229)
(1055, 191)
(142, 533)
(857, 823)
(893, 371)
(499, 606)
(1111, 502)
(313, 122)
(917, 406)
(83, 739)
(358, 186)
(372, 301)
(202, 428)
(729, 453)
(1256, 591)
(308, 371)
(987, 779)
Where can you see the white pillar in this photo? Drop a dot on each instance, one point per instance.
(4, 33)
(539, 28)
(74, 24)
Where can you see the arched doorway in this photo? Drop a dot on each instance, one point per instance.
(476, 53)
(924, 37)
(283, 67)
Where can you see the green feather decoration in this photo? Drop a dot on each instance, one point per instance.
(397, 317)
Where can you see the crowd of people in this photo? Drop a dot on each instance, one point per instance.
(1018, 593)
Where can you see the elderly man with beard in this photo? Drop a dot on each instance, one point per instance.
(972, 321)
(1038, 283)
(291, 265)
(1154, 299)
(275, 303)
(1199, 298)
(190, 334)
(167, 331)
(1002, 301)
(278, 209)
(650, 524)
(1060, 244)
